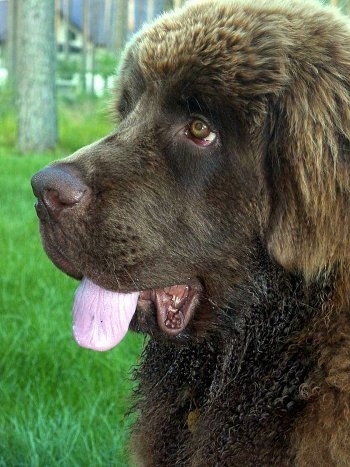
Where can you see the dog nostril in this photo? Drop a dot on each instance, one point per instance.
(58, 188)
(55, 204)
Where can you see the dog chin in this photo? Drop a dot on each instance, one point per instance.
(61, 261)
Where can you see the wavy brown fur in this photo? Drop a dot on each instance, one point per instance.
(261, 217)
(270, 385)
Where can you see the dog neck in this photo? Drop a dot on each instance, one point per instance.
(256, 369)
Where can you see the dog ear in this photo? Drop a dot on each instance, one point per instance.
(308, 170)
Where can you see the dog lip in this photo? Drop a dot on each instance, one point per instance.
(62, 262)
(174, 305)
(41, 211)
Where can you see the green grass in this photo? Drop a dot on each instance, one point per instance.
(60, 405)
(80, 122)
(83, 123)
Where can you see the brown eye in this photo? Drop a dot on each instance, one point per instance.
(200, 132)
(199, 129)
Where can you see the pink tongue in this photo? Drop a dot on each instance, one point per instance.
(101, 318)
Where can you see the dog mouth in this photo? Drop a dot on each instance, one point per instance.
(174, 305)
(101, 317)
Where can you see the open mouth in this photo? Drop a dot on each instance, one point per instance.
(174, 305)
(101, 317)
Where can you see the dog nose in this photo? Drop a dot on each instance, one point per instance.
(57, 188)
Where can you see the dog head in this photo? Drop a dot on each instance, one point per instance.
(233, 129)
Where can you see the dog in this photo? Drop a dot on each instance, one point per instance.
(216, 219)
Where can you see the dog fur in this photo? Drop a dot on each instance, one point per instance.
(261, 218)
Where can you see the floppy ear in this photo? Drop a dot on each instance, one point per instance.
(308, 167)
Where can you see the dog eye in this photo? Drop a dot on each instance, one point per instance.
(200, 132)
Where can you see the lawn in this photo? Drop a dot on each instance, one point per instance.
(61, 405)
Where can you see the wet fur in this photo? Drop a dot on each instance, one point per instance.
(261, 376)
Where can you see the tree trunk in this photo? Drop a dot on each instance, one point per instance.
(94, 41)
(107, 17)
(178, 3)
(150, 10)
(86, 35)
(36, 90)
(65, 22)
(12, 42)
(122, 23)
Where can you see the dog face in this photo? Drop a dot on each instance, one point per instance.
(220, 142)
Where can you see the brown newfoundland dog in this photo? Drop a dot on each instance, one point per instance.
(216, 219)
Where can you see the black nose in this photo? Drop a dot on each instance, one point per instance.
(58, 188)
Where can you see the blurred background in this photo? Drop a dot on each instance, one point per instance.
(60, 405)
(62, 49)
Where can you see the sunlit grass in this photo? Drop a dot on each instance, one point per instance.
(81, 124)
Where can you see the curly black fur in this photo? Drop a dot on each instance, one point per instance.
(242, 383)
